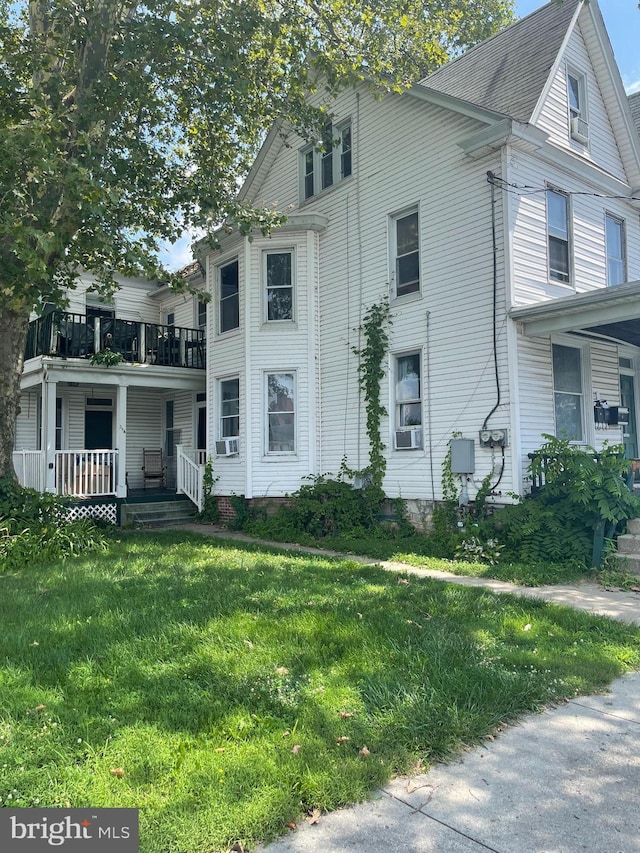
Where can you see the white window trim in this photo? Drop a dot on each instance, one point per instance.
(219, 381)
(279, 454)
(556, 281)
(588, 425)
(265, 302)
(218, 297)
(394, 404)
(393, 241)
(581, 79)
(622, 221)
(337, 129)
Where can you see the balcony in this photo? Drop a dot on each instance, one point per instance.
(68, 335)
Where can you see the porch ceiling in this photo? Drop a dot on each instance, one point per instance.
(612, 311)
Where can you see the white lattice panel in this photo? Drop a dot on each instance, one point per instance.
(100, 512)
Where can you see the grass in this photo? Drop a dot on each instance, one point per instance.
(418, 550)
(224, 691)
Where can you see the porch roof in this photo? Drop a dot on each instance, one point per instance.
(613, 312)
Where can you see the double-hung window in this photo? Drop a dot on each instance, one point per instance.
(568, 392)
(281, 413)
(405, 242)
(278, 277)
(616, 251)
(408, 401)
(330, 161)
(228, 283)
(229, 408)
(558, 236)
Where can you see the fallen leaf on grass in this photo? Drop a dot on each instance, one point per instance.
(314, 817)
(346, 715)
(39, 707)
(292, 825)
(295, 749)
(220, 749)
(364, 752)
(35, 643)
(118, 772)
(282, 670)
(527, 627)
(342, 739)
(286, 734)
(403, 580)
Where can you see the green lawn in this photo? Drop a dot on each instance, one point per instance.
(233, 689)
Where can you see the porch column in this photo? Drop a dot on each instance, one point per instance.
(48, 440)
(121, 441)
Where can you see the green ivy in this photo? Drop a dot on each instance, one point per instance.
(210, 511)
(371, 371)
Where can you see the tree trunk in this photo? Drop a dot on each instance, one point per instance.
(14, 324)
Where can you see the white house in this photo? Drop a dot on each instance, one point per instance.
(495, 204)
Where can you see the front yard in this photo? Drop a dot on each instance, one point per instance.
(227, 690)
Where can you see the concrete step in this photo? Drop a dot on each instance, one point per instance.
(629, 543)
(629, 563)
(158, 513)
(633, 526)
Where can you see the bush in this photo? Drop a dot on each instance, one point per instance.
(35, 526)
(584, 495)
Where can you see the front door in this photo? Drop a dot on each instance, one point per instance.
(630, 432)
(98, 430)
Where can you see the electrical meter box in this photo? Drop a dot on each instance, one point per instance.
(462, 456)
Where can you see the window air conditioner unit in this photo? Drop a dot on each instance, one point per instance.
(408, 439)
(580, 130)
(227, 447)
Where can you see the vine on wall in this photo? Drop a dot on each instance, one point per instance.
(371, 371)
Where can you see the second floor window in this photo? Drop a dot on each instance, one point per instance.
(405, 240)
(229, 297)
(329, 162)
(558, 236)
(615, 243)
(278, 276)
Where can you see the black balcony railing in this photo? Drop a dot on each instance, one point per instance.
(69, 335)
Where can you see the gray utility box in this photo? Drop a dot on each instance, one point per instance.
(462, 456)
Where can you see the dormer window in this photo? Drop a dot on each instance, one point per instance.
(577, 96)
(328, 162)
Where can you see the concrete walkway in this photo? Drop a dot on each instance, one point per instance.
(565, 781)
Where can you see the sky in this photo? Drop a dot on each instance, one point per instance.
(622, 19)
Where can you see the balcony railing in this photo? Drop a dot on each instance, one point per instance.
(69, 335)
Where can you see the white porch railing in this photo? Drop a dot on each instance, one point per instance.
(29, 468)
(189, 475)
(86, 473)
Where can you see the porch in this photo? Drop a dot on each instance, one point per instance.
(68, 335)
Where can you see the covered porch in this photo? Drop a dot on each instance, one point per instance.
(83, 430)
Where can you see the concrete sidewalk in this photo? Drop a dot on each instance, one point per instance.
(565, 781)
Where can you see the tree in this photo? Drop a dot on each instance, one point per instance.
(122, 123)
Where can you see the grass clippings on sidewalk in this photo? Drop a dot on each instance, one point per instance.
(224, 691)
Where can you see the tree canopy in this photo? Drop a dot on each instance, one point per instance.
(123, 123)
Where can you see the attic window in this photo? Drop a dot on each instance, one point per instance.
(328, 162)
(577, 95)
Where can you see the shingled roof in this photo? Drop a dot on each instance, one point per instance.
(507, 72)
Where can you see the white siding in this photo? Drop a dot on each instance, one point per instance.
(554, 117)
(587, 216)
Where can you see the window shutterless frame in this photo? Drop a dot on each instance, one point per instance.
(229, 402)
(405, 252)
(616, 250)
(280, 413)
(558, 236)
(568, 392)
(228, 296)
(278, 275)
(326, 163)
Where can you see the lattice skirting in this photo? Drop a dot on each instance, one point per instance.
(107, 511)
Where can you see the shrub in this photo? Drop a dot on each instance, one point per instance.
(36, 526)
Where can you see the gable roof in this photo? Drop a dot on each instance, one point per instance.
(507, 72)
